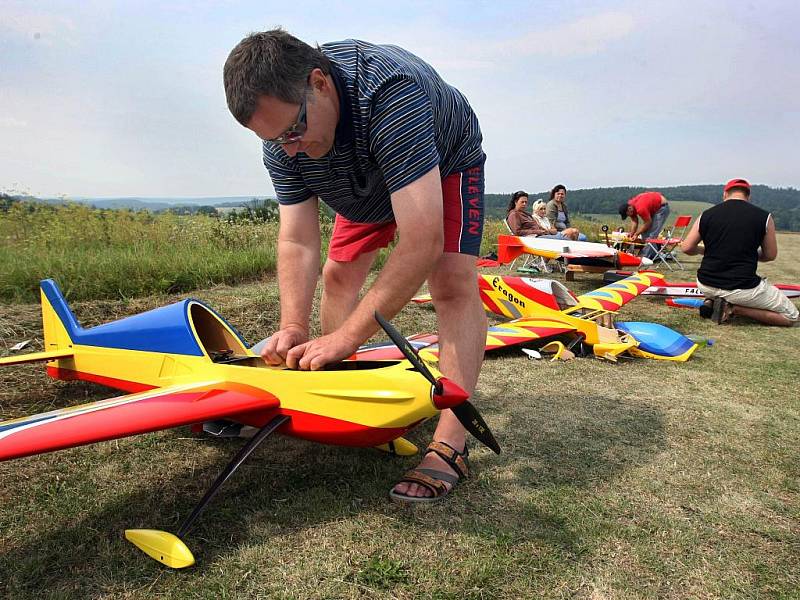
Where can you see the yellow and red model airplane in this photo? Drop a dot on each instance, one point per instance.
(183, 364)
(544, 309)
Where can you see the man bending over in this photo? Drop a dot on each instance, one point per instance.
(375, 133)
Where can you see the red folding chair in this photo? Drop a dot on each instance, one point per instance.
(664, 245)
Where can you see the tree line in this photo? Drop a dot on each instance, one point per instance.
(783, 203)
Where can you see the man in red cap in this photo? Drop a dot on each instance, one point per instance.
(653, 209)
(736, 235)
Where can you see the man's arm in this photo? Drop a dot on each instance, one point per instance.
(418, 212)
(690, 244)
(634, 226)
(769, 245)
(640, 228)
(298, 270)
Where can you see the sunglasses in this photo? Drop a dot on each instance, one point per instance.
(297, 130)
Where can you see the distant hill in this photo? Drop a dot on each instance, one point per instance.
(783, 203)
(151, 204)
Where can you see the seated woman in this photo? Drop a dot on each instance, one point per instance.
(540, 216)
(559, 215)
(520, 222)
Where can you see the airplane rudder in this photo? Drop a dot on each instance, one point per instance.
(508, 248)
(58, 322)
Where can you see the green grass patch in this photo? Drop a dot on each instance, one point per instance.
(97, 254)
(641, 479)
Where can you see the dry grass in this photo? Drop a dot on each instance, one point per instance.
(641, 479)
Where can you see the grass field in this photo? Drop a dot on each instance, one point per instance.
(125, 254)
(641, 479)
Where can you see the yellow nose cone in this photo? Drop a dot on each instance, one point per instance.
(165, 547)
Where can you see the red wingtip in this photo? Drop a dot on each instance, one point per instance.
(628, 260)
(450, 396)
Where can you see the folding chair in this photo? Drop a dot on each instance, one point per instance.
(664, 245)
(535, 262)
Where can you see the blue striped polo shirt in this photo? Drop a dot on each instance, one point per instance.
(397, 120)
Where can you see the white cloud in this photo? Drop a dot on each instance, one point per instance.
(12, 123)
(40, 26)
(582, 37)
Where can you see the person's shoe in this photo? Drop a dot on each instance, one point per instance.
(718, 311)
(439, 483)
(706, 309)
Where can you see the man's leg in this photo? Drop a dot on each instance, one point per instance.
(351, 252)
(764, 303)
(659, 220)
(342, 282)
(462, 337)
(762, 316)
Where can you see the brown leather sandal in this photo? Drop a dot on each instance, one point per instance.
(433, 479)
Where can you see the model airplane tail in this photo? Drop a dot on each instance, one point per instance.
(509, 248)
(58, 324)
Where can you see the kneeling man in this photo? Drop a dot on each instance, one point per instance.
(736, 235)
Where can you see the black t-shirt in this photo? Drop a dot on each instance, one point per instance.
(732, 232)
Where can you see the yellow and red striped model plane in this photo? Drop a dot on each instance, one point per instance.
(543, 309)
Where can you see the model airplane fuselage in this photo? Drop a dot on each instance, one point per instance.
(509, 247)
(186, 348)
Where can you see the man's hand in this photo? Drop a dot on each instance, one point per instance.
(281, 342)
(313, 355)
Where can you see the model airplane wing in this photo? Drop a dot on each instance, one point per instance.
(152, 410)
(688, 288)
(512, 333)
(522, 331)
(610, 298)
(388, 350)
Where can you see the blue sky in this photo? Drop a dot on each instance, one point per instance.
(104, 98)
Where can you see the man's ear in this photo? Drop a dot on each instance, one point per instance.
(317, 80)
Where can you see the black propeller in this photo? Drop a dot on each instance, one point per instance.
(465, 411)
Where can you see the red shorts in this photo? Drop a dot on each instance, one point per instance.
(462, 196)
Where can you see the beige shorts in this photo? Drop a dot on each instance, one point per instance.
(764, 296)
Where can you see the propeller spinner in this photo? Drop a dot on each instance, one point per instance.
(446, 394)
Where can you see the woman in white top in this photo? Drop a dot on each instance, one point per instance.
(540, 214)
